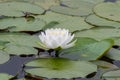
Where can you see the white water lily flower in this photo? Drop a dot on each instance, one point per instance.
(54, 38)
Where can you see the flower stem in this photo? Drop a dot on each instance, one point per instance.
(57, 51)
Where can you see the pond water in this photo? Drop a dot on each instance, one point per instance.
(14, 65)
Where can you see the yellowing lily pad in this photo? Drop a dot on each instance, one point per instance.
(60, 68)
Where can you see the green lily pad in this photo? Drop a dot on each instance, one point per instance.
(9, 0)
(117, 41)
(104, 64)
(84, 51)
(112, 74)
(26, 79)
(99, 33)
(17, 9)
(60, 68)
(20, 39)
(97, 21)
(76, 3)
(52, 16)
(112, 78)
(108, 10)
(2, 44)
(19, 49)
(113, 54)
(21, 24)
(70, 11)
(5, 76)
(84, 6)
(46, 4)
(74, 24)
(4, 57)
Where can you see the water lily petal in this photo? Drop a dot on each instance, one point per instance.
(54, 38)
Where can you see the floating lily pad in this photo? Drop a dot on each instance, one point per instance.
(113, 54)
(18, 9)
(78, 4)
(74, 24)
(104, 64)
(70, 11)
(117, 41)
(112, 74)
(5, 76)
(97, 21)
(31, 79)
(19, 49)
(20, 39)
(84, 6)
(9, 0)
(60, 68)
(108, 10)
(21, 24)
(112, 78)
(52, 16)
(3, 43)
(86, 51)
(99, 33)
(46, 4)
(4, 57)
